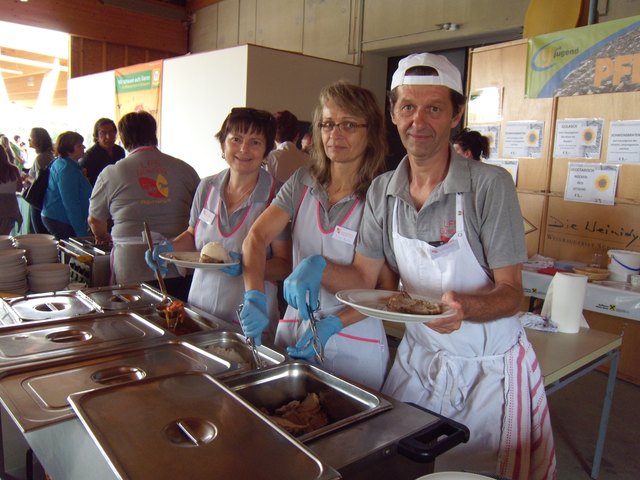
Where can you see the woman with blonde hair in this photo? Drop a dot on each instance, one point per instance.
(324, 203)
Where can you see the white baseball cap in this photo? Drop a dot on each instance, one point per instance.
(448, 75)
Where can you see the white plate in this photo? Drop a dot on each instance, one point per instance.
(192, 260)
(371, 303)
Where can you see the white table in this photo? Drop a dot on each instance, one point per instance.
(610, 298)
(565, 357)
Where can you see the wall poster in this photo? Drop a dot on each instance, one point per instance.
(139, 88)
(598, 58)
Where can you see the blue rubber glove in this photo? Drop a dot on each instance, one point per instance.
(253, 317)
(152, 257)
(234, 270)
(305, 278)
(327, 327)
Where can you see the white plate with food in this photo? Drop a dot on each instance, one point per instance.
(394, 306)
(192, 260)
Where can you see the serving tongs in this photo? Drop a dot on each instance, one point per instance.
(318, 348)
(251, 342)
(163, 287)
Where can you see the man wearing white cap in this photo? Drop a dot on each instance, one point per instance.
(452, 229)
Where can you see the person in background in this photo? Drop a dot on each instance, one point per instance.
(66, 202)
(324, 204)
(471, 144)
(12, 151)
(306, 142)
(147, 185)
(40, 141)
(104, 150)
(286, 158)
(24, 154)
(224, 208)
(452, 229)
(10, 183)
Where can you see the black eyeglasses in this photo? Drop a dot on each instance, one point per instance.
(344, 127)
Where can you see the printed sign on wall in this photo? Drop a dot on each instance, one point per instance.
(599, 58)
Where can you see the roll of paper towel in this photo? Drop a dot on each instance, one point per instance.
(564, 301)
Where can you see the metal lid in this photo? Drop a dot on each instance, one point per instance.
(33, 342)
(46, 306)
(123, 297)
(36, 397)
(190, 426)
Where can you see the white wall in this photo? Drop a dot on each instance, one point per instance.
(89, 98)
(198, 91)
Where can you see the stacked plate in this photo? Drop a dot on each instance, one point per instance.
(48, 277)
(13, 271)
(6, 241)
(40, 247)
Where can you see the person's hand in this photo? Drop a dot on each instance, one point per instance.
(153, 258)
(234, 270)
(449, 324)
(305, 278)
(253, 316)
(327, 327)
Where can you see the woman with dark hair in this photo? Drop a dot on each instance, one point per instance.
(40, 141)
(471, 144)
(147, 185)
(224, 208)
(66, 202)
(324, 204)
(10, 183)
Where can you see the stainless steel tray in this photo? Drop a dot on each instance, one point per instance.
(232, 347)
(38, 342)
(49, 306)
(344, 402)
(190, 426)
(38, 397)
(123, 297)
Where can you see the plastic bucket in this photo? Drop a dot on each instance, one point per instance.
(623, 263)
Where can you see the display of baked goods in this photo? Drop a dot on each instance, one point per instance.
(403, 303)
(300, 417)
(214, 252)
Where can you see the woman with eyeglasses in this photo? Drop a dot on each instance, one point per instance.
(324, 203)
(224, 208)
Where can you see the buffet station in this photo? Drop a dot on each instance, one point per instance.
(107, 381)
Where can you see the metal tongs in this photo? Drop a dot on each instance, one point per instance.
(163, 287)
(315, 341)
(251, 342)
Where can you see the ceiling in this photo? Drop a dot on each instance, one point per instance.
(33, 64)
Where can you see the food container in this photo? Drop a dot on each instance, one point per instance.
(198, 430)
(146, 301)
(233, 347)
(623, 263)
(90, 335)
(37, 397)
(49, 306)
(343, 402)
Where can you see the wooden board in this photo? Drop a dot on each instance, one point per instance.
(532, 206)
(574, 231)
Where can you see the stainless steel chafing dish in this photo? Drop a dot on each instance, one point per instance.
(48, 306)
(233, 347)
(144, 300)
(39, 342)
(198, 430)
(37, 397)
